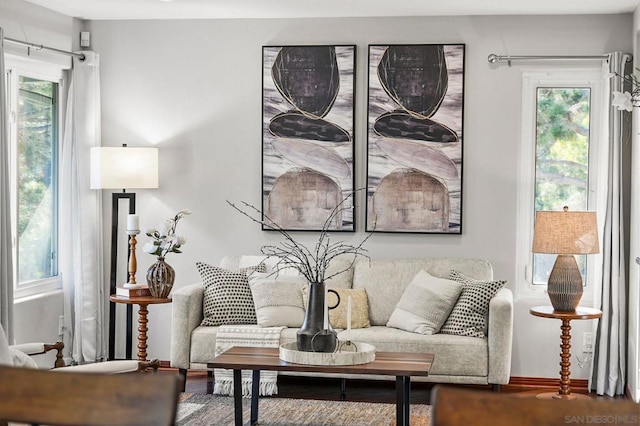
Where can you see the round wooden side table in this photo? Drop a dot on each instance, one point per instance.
(142, 302)
(565, 354)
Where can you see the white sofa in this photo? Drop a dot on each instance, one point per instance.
(458, 359)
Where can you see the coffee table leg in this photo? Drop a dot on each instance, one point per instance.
(255, 391)
(403, 390)
(237, 396)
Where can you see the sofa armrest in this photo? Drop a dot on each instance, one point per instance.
(186, 316)
(500, 335)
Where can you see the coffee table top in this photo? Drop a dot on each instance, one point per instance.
(385, 364)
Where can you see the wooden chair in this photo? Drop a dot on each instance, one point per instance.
(62, 398)
(454, 406)
(20, 356)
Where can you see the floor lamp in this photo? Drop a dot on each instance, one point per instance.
(120, 168)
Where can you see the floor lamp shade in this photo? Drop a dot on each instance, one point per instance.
(566, 234)
(124, 167)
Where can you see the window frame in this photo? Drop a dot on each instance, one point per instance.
(16, 67)
(590, 76)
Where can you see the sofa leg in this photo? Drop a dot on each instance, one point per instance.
(183, 375)
(343, 389)
(495, 388)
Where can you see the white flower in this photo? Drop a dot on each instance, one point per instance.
(165, 240)
(166, 227)
(622, 101)
(149, 248)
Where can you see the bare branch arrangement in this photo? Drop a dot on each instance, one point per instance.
(312, 264)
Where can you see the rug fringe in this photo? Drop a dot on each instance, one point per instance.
(225, 387)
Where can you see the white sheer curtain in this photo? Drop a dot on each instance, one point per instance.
(6, 250)
(81, 218)
(609, 362)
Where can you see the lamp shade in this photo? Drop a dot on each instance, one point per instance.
(565, 232)
(124, 167)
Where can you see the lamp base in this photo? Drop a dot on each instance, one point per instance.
(565, 284)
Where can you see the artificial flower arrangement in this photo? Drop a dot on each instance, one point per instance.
(625, 101)
(166, 240)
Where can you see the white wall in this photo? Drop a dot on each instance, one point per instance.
(193, 88)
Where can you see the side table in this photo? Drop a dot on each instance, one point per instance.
(565, 354)
(142, 302)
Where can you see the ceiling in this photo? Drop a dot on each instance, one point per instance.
(256, 9)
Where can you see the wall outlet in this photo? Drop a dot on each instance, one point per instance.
(61, 325)
(587, 342)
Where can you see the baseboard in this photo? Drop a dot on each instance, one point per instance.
(533, 383)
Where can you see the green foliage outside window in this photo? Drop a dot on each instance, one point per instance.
(37, 169)
(562, 159)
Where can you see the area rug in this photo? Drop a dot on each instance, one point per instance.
(202, 409)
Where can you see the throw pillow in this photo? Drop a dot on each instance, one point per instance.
(469, 315)
(227, 296)
(278, 299)
(425, 304)
(359, 308)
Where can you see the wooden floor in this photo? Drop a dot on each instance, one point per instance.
(356, 390)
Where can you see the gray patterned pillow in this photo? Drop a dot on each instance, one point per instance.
(227, 297)
(469, 315)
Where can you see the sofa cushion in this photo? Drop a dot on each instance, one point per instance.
(227, 296)
(453, 355)
(469, 315)
(278, 299)
(343, 267)
(386, 280)
(359, 308)
(425, 304)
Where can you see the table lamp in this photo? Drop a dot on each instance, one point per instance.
(122, 168)
(566, 234)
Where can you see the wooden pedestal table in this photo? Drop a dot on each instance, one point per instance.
(142, 302)
(565, 354)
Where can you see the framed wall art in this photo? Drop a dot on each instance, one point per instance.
(308, 135)
(414, 138)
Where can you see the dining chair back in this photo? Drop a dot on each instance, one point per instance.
(71, 398)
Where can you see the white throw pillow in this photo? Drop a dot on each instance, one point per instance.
(425, 304)
(278, 299)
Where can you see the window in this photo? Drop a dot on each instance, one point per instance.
(558, 164)
(34, 131)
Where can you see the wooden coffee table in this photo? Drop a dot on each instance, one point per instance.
(399, 364)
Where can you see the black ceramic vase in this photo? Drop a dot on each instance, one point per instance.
(312, 336)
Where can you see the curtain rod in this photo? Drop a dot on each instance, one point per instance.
(493, 58)
(42, 47)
